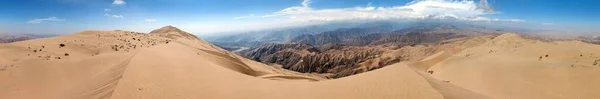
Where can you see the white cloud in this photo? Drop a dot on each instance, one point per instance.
(467, 10)
(306, 3)
(303, 14)
(247, 16)
(49, 19)
(150, 20)
(107, 10)
(118, 2)
(113, 16)
(485, 6)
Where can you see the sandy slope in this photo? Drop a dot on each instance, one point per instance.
(510, 67)
(125, 65)
(444, 51)
(90, 70)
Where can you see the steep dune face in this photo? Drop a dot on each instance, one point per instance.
(125, 65)
(510, 67)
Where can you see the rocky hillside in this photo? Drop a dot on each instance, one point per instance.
(345, 35)
(413, 38)
(376, 36)
(271, 48)
(334, 59)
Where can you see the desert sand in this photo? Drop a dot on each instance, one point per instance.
(170, 64)
(511, 67)
(164, 66)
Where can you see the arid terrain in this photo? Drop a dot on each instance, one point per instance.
(169, 63)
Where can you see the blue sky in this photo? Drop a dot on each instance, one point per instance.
(214, 16)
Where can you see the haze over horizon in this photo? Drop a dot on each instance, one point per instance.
(205, 17)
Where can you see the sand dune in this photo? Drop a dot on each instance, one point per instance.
(172, 64)
(126, 65)
(510, 67)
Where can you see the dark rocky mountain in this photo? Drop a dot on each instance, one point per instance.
(376, 36)
(338, 36)
(278, 35)
(337, 60)
(412, 38)
(9, 38)
(271, 48)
